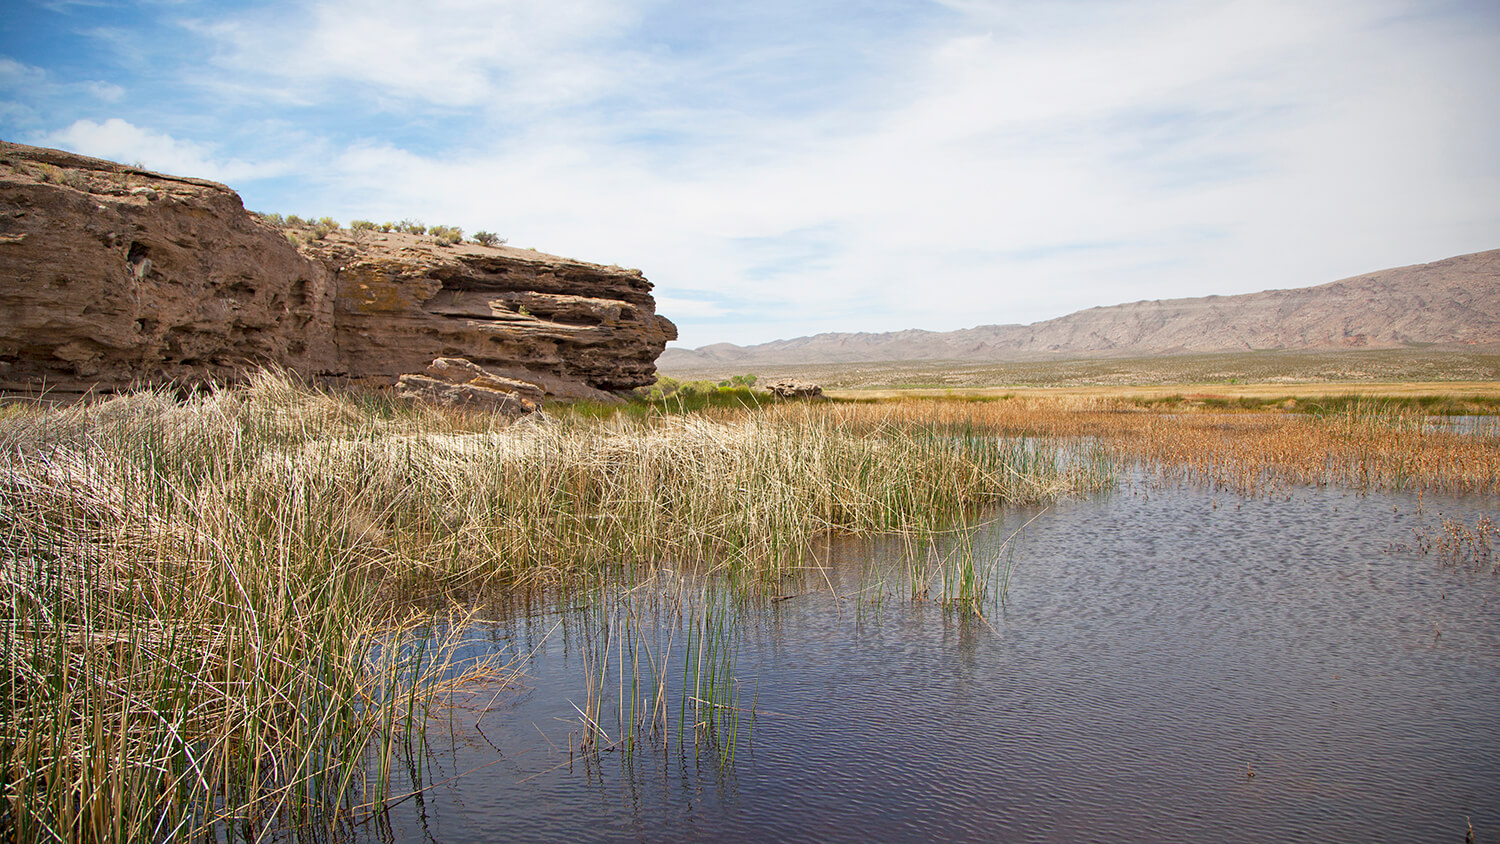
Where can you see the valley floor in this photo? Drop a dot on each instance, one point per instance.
(1470, 371)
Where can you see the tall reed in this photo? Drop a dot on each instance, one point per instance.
(198, 594)
(1361, 445)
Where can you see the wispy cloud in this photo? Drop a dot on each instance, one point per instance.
(786, 167)
(444, 53)
(118, 140)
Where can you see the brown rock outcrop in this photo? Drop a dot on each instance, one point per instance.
(796, 390)
(575, 328)
(459, 383)
(112, 276)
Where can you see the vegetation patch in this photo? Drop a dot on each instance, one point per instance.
(222, 612)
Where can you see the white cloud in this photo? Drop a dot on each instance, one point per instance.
(120, 140)
(16, 76)
(106, 91)
(450, 53)
(1005, 162)
(690, 309)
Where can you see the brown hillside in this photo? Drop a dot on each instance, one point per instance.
(1450, 302)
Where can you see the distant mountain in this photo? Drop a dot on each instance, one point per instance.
(1450, 302)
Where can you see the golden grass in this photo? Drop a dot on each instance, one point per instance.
(1269, 392)
(199, 596)
(204, 600)
(1433, 365)
(1362, 447)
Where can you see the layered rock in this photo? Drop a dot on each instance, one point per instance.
(457, 382)
(112, 276)
(575, 328)
(796, 390)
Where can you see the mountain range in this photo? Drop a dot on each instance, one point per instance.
(1455, 301)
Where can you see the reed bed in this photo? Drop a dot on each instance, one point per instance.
(1361, 446)
(200, 594)
(638, 636)
(211, 604)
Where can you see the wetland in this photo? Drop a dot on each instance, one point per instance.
(276, 612)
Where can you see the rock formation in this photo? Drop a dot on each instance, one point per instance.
(795, 390)
(112, 276)
(457, 382)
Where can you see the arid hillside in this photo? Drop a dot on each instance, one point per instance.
(1453, 302)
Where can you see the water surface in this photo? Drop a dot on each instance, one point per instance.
(1168, 665)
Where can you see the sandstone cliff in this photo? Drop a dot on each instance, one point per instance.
(1450, 302)
(111, 276)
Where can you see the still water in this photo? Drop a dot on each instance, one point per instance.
(1168, 665)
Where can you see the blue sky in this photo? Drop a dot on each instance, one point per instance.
(787, 167)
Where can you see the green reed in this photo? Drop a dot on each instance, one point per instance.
(198, 593)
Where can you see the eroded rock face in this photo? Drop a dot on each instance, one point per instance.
(575, 328)
(112, 276)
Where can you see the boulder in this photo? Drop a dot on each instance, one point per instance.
(456, 382)
(461, 371)
(796, 390)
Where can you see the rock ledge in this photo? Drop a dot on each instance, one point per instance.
(113, 276)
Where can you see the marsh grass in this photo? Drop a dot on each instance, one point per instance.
(188, 652)
(200, 594)
(658, 656)
(1359, 445)
(1461, 546)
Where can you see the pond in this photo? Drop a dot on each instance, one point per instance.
(1168, 664)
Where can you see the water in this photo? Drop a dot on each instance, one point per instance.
(1168, 665)
(1480, 426)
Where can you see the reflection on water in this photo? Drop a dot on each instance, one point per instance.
(1169, 665)
(1483, 426)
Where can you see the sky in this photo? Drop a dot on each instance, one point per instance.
(782, 168)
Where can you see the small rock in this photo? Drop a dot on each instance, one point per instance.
(796, 390)
(465, 371)
(422, 388)
(458, 382)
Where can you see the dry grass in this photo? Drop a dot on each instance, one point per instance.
(1458, 545)
(1482, 395)
(208, 603)
(1363, 446)
(1435, 366)
(199, 595)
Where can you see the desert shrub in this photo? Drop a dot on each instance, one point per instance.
(389, 226)
(412, 227)
(324, 227)
(488, 238)
(63, 176)
(447, 235)
(738, 381)
(294, 220)
(362, 225)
